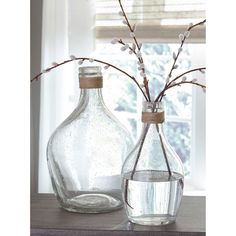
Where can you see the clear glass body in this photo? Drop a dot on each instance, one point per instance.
(152, 176)
(85, 155)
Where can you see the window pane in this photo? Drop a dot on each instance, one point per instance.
(181, 143)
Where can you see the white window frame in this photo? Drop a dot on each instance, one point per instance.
(198, 165)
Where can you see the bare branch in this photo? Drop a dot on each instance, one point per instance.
(91, 60)
(138, 54)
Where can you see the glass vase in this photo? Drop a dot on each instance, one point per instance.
(152, 175)
(86, 152)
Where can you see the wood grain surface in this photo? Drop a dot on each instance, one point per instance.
(48, 219)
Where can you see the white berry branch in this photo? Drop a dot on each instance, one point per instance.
(81, 60)
(185, 82)
(174, 66)
(138, 46)
(173, 82)
(182, 38)
(135, 49)
(125, 46)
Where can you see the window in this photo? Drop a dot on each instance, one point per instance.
(125, 100)
(68, 28)
(159, 24)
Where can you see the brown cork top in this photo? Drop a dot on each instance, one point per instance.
(153, 117)
(91, 82)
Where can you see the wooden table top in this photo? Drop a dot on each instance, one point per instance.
(47, 218)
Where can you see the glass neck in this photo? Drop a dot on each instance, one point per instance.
(153, 116)
(152, 128)
(91, 97)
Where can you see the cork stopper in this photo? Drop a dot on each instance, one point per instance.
(90, 77)
(153, 118)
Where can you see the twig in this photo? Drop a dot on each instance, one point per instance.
(140, 58)
(90, 59)
(164, 152)
(135, 164)
(175, 57)
(200, 23)
(131, 49)
(161, 95)
(139, 151)
(186, 72)
(126, 193)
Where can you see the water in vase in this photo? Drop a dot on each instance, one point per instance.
(154, 196)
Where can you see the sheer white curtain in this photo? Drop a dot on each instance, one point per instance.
(68, 29)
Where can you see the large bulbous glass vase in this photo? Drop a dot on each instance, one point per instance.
(86, 152)
(152, 174)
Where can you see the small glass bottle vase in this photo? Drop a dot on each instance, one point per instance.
(86, 152)
(152, 175)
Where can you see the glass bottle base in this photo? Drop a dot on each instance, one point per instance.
(92, 203)
(154, 220)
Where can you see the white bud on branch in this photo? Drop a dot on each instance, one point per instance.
(202, 71)
(126, 45)
(123, 48)
(174, 55)
(139, 55)
(142, 66)
(181, 37)
(124, 22)
(114, 41)
(168, 79)
(91, 60)
(80, 62)
(175, 67)
(187, 34)
(72, 57)
(133, 46)
(134, 27)
(142, 74)
(121, 13)
(106, 67)
(132, 34)
(54, 64)
(194, 80)
(184, 78)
